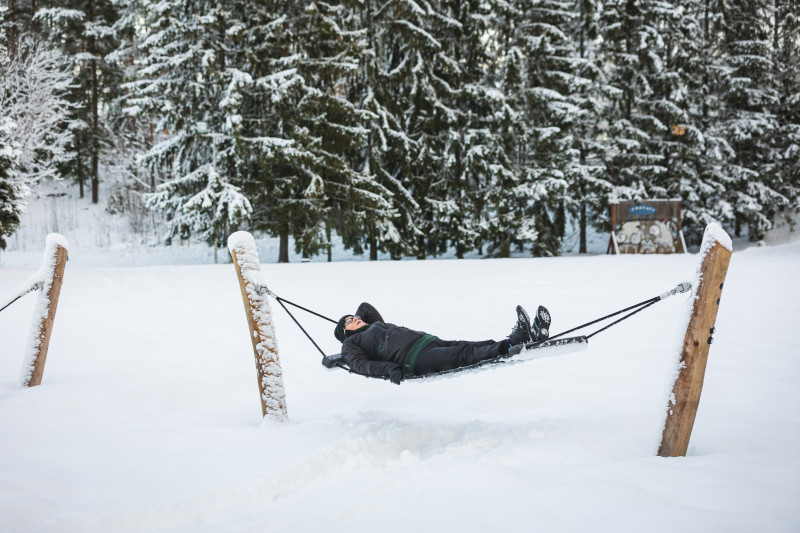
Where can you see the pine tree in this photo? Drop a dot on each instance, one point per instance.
(424, 83)
(785, 169)
(546, 80)
(187, 85)
(631, 42)
(83, 29)
(750, 121)
(209, 213)
(475, 155)
(359, 202)
(132, 133)
(388, 151)
(302, 59)
(589, 182)
(699, 154)
(12, 192)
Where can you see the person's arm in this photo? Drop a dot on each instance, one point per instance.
(369, 314)
(358, 361)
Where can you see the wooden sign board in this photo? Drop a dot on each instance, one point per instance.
(646, 227)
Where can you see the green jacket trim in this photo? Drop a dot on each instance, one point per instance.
(411, 357)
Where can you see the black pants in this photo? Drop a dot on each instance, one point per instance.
(445, 355)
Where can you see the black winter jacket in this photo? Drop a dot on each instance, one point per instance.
(379, 348)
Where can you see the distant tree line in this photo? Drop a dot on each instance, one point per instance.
(412, 127)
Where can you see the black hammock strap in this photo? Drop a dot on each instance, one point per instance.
(11, 302)
(639, 307)
(281, 300)
(680, 288)
(325, 357)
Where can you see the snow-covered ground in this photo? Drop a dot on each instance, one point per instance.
(148, 417)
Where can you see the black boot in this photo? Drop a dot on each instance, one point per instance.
(541, 324)
(521, 333)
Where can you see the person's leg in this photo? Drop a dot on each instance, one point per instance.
(447, 355)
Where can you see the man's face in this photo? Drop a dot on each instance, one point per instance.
(352, 323)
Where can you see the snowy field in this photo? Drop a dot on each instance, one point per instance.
(148, 418)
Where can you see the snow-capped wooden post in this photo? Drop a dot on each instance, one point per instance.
(50, 276)
(715, 254)
(262, 332)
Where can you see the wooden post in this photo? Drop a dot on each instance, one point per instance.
(715, 257)
(259, 318)
(55, 261)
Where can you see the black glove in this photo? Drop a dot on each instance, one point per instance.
(396, 375)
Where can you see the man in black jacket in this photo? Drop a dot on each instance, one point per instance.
(376, 348)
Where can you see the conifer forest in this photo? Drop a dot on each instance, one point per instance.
(405, 127)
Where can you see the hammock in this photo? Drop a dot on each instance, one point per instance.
(555, 345)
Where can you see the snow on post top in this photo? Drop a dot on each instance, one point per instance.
(45, 272)
(244, 245)
(715, 233)
(241, 241)
(54, 240)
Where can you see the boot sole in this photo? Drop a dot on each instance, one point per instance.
(522, 313)
(541, 325)
(543, 315)
(524, 318)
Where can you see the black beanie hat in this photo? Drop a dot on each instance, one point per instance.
(338, 332)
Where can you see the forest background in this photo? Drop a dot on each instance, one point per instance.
(409, 128)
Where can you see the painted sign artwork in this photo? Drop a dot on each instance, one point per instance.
(647, 227)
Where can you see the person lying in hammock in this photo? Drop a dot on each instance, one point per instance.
(376, 348)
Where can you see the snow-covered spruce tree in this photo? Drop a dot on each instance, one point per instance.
(387, 151)
(477, 163)
(432, 143)
(132, 134)
(631, 45)
(589, 181)
(189, 87)
(12, 192)
(83, 30)
(302, 137)
(785, 33)
(10, 201)
(545, 83)
(503, 207)
(15, 20)
(750, 122)
(698, 153)
(422, 86)
(360, 202)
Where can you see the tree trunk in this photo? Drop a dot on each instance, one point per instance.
(373, 249)
(94, 105)
(283, 252)
(582, 248)
(152, 142)
(11, 31)
(329, 245)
